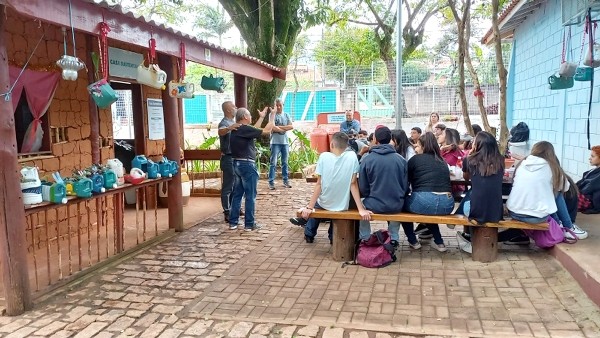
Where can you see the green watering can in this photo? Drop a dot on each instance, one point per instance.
(213, 83)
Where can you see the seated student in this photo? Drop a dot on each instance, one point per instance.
(589, 185)
(538, 187)
(402, 145)
(429, 177)
(336, 181)
(382, 182)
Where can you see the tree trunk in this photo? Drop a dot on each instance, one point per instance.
(461, 59)
(502, 75)
(475, 78)
(390, 66)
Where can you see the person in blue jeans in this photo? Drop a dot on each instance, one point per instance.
(243, 152)
(280, 144)
(336, 172)
(431, 194)
(226, 125)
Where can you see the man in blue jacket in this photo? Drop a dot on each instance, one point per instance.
(383, 182)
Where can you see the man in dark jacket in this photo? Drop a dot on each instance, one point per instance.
(383, 182)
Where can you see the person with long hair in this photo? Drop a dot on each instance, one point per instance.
(589, 185)
(429, 178)
(402, 144)
(450, 151)
(434, 119)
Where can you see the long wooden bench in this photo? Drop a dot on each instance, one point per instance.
(484, 240)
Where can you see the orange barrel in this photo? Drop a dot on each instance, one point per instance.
(319, 140)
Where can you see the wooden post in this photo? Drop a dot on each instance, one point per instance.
(13, 243)
(171, 117)
(93, 109)
(343, 240)
(240, 89)
(119, 205)
(485, 244)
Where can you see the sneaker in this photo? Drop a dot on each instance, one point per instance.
(519, 240)
(415, 246)
(299, 221)
(271, 186)
(226, 218)
(439, 247)
(395, 244)
(287, 184)
(233, 226)
(255, 227)
(580, 233)
(309, 239)
(463, 243)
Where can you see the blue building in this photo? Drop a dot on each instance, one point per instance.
(536, 29)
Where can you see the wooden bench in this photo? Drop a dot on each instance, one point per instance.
(484, 240)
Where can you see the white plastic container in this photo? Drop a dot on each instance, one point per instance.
(117, 166)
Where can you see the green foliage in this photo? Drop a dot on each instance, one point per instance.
(213, 21)
(210, 143)
(415, 73)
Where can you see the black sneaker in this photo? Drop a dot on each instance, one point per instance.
(519, 240)
(395, 244)
(299, 221)
(271, 186)
(309, 239)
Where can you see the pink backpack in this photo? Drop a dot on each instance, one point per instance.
(555, 234)
(377, 251)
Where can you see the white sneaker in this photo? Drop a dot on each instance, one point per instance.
(439, 247)
(415, 246)
(463, 243)
(580, 233)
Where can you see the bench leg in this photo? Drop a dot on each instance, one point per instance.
(485, 244)
(343, 240)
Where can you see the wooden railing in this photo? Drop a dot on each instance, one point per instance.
(65, 240)
(204, 171)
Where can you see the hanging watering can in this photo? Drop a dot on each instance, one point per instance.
(102, 93)
(559, 82)
(584, 74)
(213, 83)
(182, 90)
(151, 76)
(567, 69)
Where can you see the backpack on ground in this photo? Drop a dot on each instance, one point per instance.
(376, 252)
(555, 234)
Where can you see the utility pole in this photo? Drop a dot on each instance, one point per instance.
(399, 111)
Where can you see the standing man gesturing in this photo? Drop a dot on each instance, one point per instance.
(280, 145)
(243, 152)
(226, 125)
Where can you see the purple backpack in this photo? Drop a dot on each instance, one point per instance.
(377, 251)
(555, 234)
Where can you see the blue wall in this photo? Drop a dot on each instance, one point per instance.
(322, 101)
(557, 116)
(195, 110)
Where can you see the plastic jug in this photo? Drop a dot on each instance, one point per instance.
(54, 192)
(153, 170)
(110, 179)
(117, 166)
(31, 186)
(140, 162)
(97, 183)
(83, 187)
(164, 167)
(174, 167)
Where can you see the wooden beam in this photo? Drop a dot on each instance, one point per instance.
(93, 109)
(136, 31)
(171, 117)
(240, 89)
(13, 243)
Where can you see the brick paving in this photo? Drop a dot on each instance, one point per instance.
(212, 282)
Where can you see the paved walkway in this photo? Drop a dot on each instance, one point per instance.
(212, 282)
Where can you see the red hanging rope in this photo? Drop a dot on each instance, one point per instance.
(182, 66)
(103, 39)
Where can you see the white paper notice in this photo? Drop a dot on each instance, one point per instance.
(156, 121)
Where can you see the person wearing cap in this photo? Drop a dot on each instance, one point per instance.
(383, 182)
(350, 123)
